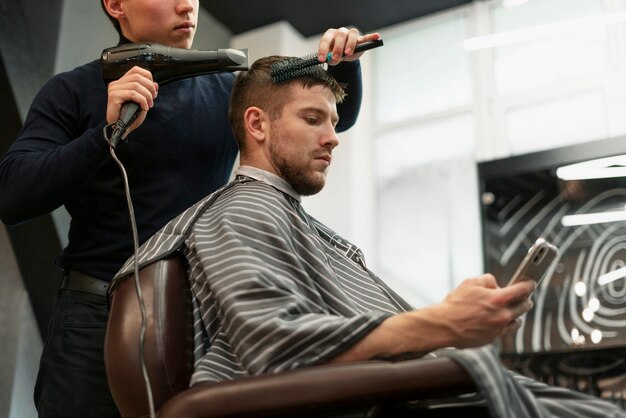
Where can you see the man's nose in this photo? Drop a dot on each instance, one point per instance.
(331, 139)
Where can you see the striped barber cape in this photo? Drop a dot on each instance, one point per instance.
(273, 290)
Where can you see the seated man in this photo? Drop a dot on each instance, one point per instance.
(275, 290)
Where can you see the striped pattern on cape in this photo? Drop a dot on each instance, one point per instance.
(274, 289)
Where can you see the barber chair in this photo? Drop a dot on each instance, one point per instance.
(321, 391)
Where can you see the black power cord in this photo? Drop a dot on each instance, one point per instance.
(142, 306)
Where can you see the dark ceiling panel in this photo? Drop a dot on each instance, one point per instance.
(313, 17)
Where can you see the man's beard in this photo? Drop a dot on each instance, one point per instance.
(297, 175)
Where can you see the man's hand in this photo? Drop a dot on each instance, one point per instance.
(478, 311)
(342, 42)
(472, 315)
(138, 86)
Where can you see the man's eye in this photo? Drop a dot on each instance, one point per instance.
(311, 121)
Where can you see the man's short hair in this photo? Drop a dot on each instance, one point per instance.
(256, 87)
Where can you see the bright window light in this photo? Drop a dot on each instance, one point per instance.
(600, 168)
(593, 218)
(541, 31)
(509, 4)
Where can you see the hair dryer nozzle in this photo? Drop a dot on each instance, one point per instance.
(167, 63)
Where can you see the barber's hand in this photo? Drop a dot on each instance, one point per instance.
(341, 42)
(138, 86)
(478, 311)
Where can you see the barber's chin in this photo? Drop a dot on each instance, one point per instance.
(183, 41)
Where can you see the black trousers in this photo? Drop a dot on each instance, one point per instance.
(72, 380)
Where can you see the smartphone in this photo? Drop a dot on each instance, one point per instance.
(540, 257)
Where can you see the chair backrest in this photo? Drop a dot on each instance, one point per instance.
(168, 342)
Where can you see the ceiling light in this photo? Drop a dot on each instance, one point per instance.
(541, 31)
(593, 218)
(509, 4)
(600, 168)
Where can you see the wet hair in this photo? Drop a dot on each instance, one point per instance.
(256, 87)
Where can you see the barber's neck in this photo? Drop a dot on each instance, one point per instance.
(124, 40)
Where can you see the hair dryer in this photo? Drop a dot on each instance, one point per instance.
(166, 64)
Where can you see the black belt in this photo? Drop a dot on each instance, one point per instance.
(75, 280)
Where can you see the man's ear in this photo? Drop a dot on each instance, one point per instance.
(255, 122)
(114, 8)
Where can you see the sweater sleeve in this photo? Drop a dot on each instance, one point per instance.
(279, 304)
(348, 73)
(57, 151)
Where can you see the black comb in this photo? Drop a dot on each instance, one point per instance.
(296, 67)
